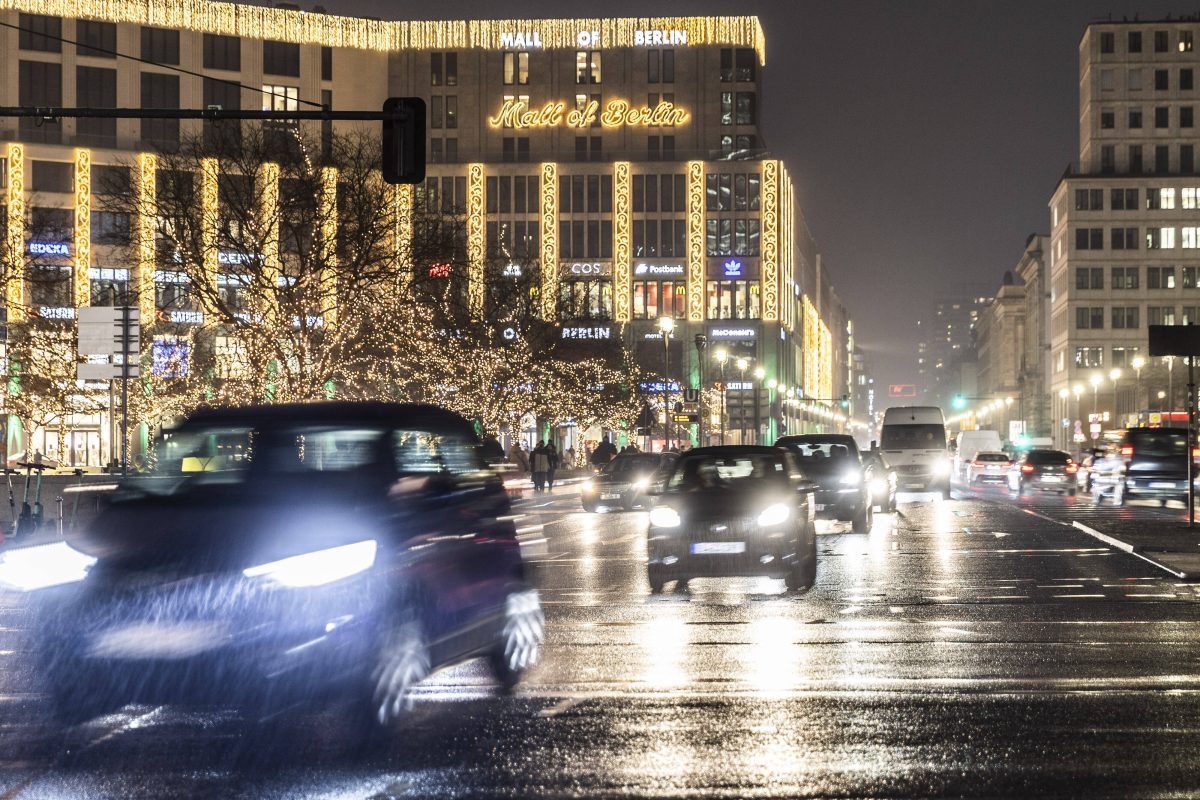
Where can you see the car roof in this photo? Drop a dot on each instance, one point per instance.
(833, 438)
(991, 453)
(405, 415)
(720, 451)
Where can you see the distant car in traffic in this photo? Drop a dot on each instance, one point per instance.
(881, 480)
(913, 440)
(1149, 463)
(625, 482)
(733, 511)
(1043, 470)
(988, 467)
(285, 554)
(968, 445)
(832, 461)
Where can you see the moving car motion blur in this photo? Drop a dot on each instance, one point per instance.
(881, 479)
(281, 555)
(733, 511)
(1150, 463)
(1043, 470)
(832, 461)
(625, 481)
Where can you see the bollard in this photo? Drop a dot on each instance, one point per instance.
(59, 500)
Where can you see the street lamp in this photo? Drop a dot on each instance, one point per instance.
(665, 326)
(741, 365)
(1137, 364)
(759, 374)
(722, 356)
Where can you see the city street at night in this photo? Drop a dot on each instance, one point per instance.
(970, 647)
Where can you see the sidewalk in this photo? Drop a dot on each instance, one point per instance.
(1164, 541)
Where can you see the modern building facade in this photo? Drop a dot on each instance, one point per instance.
(1124, 245)
(623, 159)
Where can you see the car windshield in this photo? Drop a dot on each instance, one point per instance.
(991, 457)
(625, 465)
(220, 454)
(810, 451)
(1047, 457)
(740, 471)
(902, 437)
(1163, 444)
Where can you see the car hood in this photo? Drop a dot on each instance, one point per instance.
(722, 504)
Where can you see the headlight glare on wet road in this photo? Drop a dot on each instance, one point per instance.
(773, 514)
(851, 479)
(28, 569)
(664, 517)
(318, 567)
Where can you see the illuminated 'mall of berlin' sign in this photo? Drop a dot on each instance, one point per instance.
(616, 113)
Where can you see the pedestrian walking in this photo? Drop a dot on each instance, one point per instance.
(517, 455)
(604, 453)
(540, 465)
(552, 455)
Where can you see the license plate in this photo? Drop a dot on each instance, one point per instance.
(1162, 485)
(610, 496)
(159, 640)
(1051, 479)
(916, 486)
(718, 548)
(993, 469)
(819, 506)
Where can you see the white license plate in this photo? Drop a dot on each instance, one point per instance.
(993, 469)
(819, 506)
(1162, 485)
(159, 640)
(610, 496)
(1051, 479)
(718, 548)
(916, 486)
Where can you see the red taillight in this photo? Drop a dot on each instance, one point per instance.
(1027, 468)
(976, 463)
(1127, 450)
(1195, 453)
(1072, 469)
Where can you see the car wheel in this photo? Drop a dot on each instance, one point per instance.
(657, 578)
(1072, 492)
(589, 507)
(401, 663)
(520, 642)
(803, 574)
(629, 502)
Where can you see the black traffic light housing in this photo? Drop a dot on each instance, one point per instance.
(404, 140)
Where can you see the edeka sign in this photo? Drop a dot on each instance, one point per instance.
(49, 249)
(617, 113)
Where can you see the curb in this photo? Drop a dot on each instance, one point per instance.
(1132, 550)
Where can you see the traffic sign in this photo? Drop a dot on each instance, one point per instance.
(101, 330)
(902, 390)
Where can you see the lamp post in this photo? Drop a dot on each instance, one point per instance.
(1170, 381)
(1064, 395)
(701, 343)
(722, 356)
(1076, 390)
(771, 386)
(741, 365)
(1095, 380)
(665, 326)
(759, 374)
(1137, 364)
(1114, 375)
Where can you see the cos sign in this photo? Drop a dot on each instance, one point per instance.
(588, 268)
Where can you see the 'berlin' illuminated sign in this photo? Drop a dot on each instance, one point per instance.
(49, 249)
(516, 114)
(658, 38)
(597, 332)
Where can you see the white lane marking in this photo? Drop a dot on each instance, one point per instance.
(850, 609)
(1078, 596)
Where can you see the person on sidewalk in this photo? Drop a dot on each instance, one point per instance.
(516, 454)
(540, 465)
(552, 454)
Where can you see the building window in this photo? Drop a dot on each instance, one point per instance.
(443, 69)
(1189, 315)
(160, 91)
(1124, 199)
(581, 103)
(108, 285)
(1124, 317)
(727, 110)
(653, 299)
(1108, 120)
(1089, 317)
(1089, 199)
(40, 33)
(588, 148)
(1185, 41)
(726, 65)
(1161, 80)
(277, 97)
(1189, 238)
(1186, 79)
(746, 106)
(1160, 42)
(515, 148)
(1107, 83)
(1125, 277)
(660, 66)
(1187, 159)
(1123, 356)
(96, 39)
(733, 300)
(1162, 158)
(222, 52)
(1189, 197)
(1089, 238)
(1134, 42)
(1089, 277)
(1157, 315)
(1106, 42)
(1089, 357)
(96, 87)
(719, 237)
(1186, 119)
(281, 58)
(1160, 277)
(1160, 199)
(746, 64)
(1134, 81)
(516, 69)
(160, 45)
(1108, 159)
(110, 227)
(227, 96)
(587, 299)
(1162, 117)
(1124, 238)
(587, 67)
(1160, 238)
(1135, 159)
(1190, 276)
(326, 63)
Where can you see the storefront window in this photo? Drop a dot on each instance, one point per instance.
(588, 299)
(733, 300)
(654, 299)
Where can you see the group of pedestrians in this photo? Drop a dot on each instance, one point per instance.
(541, 463)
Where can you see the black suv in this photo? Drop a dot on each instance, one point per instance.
(278, 555)
(1043, 470)
(1150, 463)
(832, 461)
(626, 481)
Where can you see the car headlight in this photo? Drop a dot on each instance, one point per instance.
(851, 479)
(28, 569)
(589, 485)
(641, 483)
(318, 567)
(941, 468)
(664, 517)
(773, 514)
(878, 486)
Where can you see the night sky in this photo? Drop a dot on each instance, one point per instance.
(925, 138)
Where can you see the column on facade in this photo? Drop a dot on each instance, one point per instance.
(14, 288)
(476, 250)
(147, 198)
(329, 224)
(268, 215)
(623, 242)
(549, 239)
(209, 228)
(695, 241)
(82, 250)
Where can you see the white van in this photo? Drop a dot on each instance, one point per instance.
(971, 444)
(913, 441)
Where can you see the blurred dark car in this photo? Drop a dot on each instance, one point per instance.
(733, 511)
(282, 555)
(882, 480)
(1043, 470)
(1150, 463)
(626, 481)
(832, 461)
(988, 467)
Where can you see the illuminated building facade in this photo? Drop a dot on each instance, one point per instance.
(623, 157)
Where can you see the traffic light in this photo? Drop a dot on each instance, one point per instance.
(404, 140)
(845, 402)
(959, 402)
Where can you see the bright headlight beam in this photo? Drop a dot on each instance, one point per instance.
(318, 567)
(28, 569)
(773, 514)
(664, 517)
(851, 479)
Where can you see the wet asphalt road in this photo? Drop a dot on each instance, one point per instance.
(961, 648)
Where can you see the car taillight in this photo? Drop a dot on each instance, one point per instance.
(1195, 453)
(1127, 450)
(1027, 468)
(976, 463)
(1072, 469)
